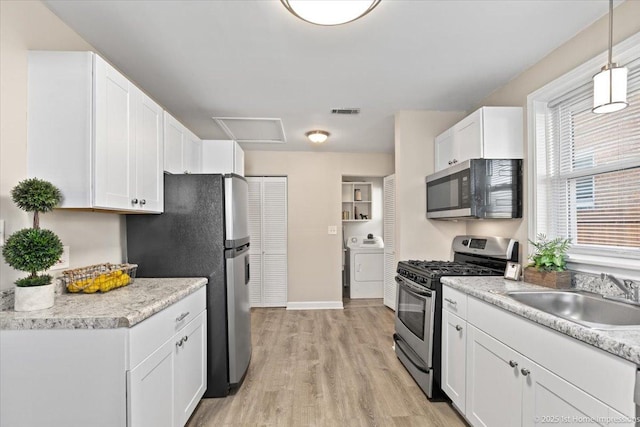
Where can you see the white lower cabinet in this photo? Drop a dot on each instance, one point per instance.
(190, 368)
(165, 388)
(494, 396)
(152, 374)
(150, 390)
(569, 383)
(454, 348)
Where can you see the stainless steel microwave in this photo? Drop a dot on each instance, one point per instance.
(476, 188)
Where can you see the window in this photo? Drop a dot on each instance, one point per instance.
(586, 174)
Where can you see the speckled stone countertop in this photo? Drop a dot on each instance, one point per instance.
(622, 343)
(119, 308)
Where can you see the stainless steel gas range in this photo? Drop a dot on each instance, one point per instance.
(419, 302)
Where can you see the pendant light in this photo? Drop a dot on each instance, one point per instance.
(317, 136)
(329, 12)
(610, 84)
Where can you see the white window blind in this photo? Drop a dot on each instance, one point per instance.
(588, 174)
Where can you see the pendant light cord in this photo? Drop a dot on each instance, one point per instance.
(610, 32)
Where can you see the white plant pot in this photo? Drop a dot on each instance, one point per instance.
(31, 298)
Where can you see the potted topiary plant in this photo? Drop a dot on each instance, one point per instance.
(548, 263)
(34, 249)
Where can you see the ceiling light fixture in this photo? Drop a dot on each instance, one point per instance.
(329, 12)
(610, 84)
(317, 136)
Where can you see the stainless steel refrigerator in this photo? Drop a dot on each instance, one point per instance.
(203, 232)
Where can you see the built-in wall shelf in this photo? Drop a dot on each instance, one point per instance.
(356, 201)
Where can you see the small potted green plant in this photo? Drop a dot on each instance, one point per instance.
(549, 262)
(34, 249)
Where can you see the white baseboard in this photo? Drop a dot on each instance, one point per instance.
(315, 305)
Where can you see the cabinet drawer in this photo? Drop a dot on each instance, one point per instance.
(454, 301)
(150, 334)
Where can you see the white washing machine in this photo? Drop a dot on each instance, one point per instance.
(366, 267)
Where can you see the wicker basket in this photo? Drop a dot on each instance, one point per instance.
(99, 277)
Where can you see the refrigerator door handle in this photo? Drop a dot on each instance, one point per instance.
(247, 274)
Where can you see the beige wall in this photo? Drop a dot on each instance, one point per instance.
(416, 236)
(314, 203)
(93, 237)
(583, 47)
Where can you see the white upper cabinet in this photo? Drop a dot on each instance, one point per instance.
(182, 149)
(487, 133)
(93, 134)
(222, 156)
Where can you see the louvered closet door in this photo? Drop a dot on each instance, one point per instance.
(268, 250)
(389, 227)
(255, 248)
(274, 247)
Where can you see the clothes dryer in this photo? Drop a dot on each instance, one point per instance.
(366, 267)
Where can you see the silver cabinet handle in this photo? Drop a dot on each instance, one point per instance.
(143, 202)
(183, 340)
(525, 371)
(134, 201)
(458, 328)
(450, 301)
(182, 316)
(450, 162)
(455, 161)
(513, 364)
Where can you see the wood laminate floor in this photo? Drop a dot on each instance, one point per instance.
(325, 368)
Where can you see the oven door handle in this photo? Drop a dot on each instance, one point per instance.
(411, 355)
(414, 289)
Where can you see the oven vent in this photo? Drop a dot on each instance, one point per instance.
(348, 111)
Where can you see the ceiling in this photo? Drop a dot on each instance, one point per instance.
(204, 59)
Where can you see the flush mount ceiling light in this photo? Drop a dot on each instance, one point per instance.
(610, 84)
(329, 12)
(317, 136)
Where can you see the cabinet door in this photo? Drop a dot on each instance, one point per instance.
(192, 153)
(173, 139)
(444, 150)
(190, 367)
(494, 387)
(549, 399)
(114, 139)
(150, 390)
(149, 154)
(454, 353)
(467, 137)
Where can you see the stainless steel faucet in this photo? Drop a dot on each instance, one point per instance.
(631, 290)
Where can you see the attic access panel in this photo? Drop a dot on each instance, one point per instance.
(252, 129)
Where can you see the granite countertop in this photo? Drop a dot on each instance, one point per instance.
(622, 343)
(119, 308)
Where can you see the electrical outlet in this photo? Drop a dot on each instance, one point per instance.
(63, 262)
(333, 229)
(1, 232)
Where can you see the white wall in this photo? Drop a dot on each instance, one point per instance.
(314, 203)
(584, 46)
(416, 236)
(374, 226)
(93, 237)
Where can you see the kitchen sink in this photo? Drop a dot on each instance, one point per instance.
(585, 308)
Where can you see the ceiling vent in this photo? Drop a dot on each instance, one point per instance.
(347, 111)
(252, 129)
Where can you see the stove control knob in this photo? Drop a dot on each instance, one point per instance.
(465, 242)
